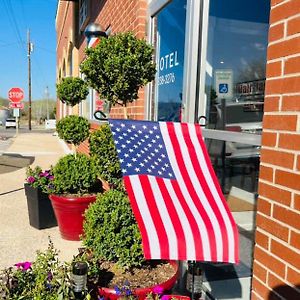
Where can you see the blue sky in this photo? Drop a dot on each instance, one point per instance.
(16, 16)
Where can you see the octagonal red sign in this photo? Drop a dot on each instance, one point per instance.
(15, 94)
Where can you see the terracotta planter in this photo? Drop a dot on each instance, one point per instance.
(40, 209)
(142, 293)
(69, 214)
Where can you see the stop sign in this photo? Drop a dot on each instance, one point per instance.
(15, 94)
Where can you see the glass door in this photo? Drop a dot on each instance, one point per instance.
(232, 105)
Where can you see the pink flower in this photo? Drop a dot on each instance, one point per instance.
(30, 179)
(23, 265)
(158, 290)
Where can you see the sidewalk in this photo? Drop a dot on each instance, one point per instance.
(18, 240)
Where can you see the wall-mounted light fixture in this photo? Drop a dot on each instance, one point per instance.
(94, 30)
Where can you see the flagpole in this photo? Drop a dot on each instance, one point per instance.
(193, 279)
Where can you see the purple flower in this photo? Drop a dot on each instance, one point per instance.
(45, 173)
(51, 177)
(118, 291)
(49, 276)
(30, 179)
(23, 265)
(164, 297)
(128, 292)
(158, 290)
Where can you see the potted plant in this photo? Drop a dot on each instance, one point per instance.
(72, 90)
(44, 278)
(75, 179)
(112, 235)
(38, 185)
(118, 67)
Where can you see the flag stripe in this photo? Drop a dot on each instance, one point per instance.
(155, 214)
(212, 202)
(191, 183)
(182, 190)
(172, 207)
(201, 195)
(189, 225)
(198, 230)
(215, 188)
(160, 201)
(140, 209)
(198, 178)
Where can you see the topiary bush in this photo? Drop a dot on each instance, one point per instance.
(118, 66)
(72, 90)
(73, 129)
(102, 149)
(75, 175)
(111, 232)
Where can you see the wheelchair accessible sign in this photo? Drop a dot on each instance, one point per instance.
(223, 83)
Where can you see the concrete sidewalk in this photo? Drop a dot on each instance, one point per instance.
(18, 240)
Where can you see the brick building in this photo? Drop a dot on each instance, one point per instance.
(234, 67)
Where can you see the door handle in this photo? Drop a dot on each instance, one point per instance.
(202, 120)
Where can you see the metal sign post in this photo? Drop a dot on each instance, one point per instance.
(17, 115)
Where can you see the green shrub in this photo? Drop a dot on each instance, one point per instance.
(72, 90)
(44, 279)
(102, 149)
(73, 129)
(118, 66)
(111, 232)
(75, 175)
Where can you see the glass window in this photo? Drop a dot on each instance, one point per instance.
(83, 12)
(236, 59)
(169, 42)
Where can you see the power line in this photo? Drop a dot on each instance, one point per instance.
(10, 13)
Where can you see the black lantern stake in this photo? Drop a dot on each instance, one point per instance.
(194, 280)
(79, 276)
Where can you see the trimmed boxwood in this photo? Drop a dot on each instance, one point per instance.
(73, 129)
(75, 175)
(72, 90)
(102, 149)
(111, 231)
(118, 66)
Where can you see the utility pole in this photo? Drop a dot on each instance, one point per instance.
(29, 77)
(47, 101)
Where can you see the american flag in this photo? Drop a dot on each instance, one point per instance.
(174, 192)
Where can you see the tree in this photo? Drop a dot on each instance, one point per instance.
(72, 90)
(118, 66)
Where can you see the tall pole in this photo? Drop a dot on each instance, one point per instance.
(47, 101)
(29, 79)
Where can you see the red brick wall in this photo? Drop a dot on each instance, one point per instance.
(122, 15)
(276, 268)
(64, 24)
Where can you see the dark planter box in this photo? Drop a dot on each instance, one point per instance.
(40, 209)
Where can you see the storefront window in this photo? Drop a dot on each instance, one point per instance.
(169, 41)
(234, 87)
(237, 39)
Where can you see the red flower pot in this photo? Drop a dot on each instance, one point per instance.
(142, 293)
(178, 297)
(69, 214)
